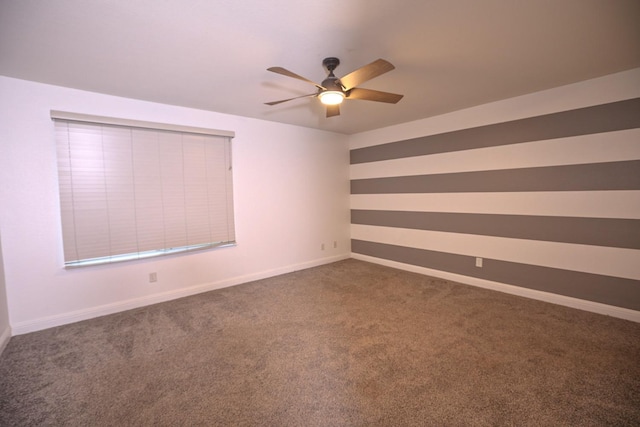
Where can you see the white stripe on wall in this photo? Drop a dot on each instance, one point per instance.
(616, 262)
(589, 204)
(596, 148)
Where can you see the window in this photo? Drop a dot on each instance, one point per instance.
(131, 189)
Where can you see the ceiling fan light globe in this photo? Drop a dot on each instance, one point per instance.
(331, 97)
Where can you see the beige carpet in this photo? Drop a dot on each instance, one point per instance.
(346, 344)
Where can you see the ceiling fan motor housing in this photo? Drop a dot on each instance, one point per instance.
(331, 83)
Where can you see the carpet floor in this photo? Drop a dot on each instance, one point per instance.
(344, 344)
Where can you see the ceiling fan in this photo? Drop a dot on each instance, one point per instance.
(332, 91)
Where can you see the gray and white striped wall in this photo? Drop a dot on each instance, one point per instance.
(544, 188)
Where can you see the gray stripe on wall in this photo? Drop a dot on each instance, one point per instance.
(619, 233)
(623, 175)
(609, 290)
(584, 121)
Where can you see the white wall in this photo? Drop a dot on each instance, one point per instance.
(291, 194)
(615, 262)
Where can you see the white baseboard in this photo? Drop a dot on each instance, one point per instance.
(5, 336)
(594, 307)
(90, 313)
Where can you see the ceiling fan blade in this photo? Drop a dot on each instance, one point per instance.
(373, 95)
(290, 99)
(285, 72)
(363, 74)
(333, 110)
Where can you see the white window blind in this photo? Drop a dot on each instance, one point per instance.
(129, 192)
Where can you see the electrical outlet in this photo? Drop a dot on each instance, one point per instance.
(335, 244)
(322, 247)
(153, 277)
(478, 262)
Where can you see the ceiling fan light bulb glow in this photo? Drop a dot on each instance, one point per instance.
(331, 97)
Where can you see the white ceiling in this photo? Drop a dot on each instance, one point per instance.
(213, 55)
